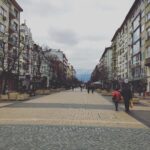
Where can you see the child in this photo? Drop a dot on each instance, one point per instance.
(116, 97)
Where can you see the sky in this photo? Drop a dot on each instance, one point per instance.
(80, 28)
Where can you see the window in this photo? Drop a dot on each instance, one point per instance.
(1, 11)
(142, 42)
(148, 16)
(136, 47)
(2, 28)
(15, 26)
(136, 35)
(137, 72)
(142, 28)
(136, 22)
(16, 13)
(148, 52)
(142, 14)
(136, 59)
(143, 55)
(1, 44)
(148, 33)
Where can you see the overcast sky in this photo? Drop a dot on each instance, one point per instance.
(80, 28)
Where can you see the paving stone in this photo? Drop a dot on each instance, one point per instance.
(70, 121)
(25, 137)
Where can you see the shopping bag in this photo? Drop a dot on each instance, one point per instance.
(131, 103)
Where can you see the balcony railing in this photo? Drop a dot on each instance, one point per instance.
(12, 28)
(12, 42)
(147, 62)
(135, 65)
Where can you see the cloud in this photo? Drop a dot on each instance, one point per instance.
(66, 37)
(81, 28)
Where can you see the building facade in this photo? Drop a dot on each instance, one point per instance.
(130, 47)
(9, 32)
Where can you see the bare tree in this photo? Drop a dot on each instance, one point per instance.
(9, 63)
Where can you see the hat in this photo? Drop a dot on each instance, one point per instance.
(126, 81)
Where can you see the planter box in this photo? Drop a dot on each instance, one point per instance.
(4, 97)
(39, 92)
(23, 97)
(13, 96)
(99, 90)
(46, 92)
(135, 100)
(105, 93)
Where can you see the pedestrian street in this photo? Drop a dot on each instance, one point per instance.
(70, 120)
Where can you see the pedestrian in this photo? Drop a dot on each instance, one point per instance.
(116, 97)
(72, 87)
(81, 88)
(127, 96)
(92, 88)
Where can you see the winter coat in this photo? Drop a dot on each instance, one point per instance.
(116, 96)
(126, 93)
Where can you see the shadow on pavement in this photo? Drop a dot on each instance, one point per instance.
(141, 115)
(61, 105)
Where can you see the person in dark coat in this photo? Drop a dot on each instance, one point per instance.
(127, 96)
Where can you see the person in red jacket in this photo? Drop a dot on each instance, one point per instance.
(116, 97)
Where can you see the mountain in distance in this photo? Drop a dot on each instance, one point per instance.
(83, 75)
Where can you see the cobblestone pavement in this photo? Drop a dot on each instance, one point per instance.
(70, 120)
(72, 138)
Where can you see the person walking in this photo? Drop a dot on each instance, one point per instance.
(116, 97)
(92, 88)
(81, 87)
(127, 96)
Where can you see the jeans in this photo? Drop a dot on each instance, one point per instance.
(116, 105)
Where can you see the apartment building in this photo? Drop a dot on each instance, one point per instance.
(60, 63)
(9, 42)
(70, 72)
(26, 52)
(147, 42)
(104, 68)
(130, 46)
(4, 27)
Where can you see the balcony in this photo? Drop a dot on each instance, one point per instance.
(138, 64)
(12, 29)
(12, 42)
(147, 42)
(12, 14)
(3, 18)
(147, 62)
